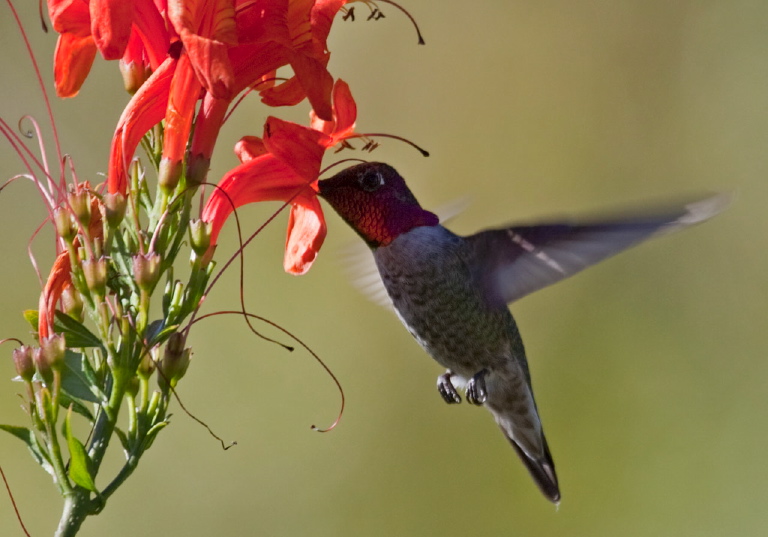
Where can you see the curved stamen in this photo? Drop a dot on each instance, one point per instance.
(413, 21)
(364, 135)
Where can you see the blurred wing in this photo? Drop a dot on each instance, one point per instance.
(522, 259)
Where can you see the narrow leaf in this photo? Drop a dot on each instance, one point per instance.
(73, 381)
(79, 463)
(32, 317)
(74, 332)
(29, 438)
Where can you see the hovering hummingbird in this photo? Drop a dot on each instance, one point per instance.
(451, 292)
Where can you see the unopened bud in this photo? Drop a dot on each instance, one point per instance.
(134, 75)
(146, 270)
(95, 272)
(132, 387)
(72, 304)
(65, 226)
(175, 361)
(54, 348)
(43, 367)
(169, 174)
(114, 208)
(200, 236)
(197, 169)
(148, 364)
(81, 207)
(25, 366)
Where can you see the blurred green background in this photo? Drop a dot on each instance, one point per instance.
(650, 369)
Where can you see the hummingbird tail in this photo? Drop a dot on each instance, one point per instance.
(542, 470)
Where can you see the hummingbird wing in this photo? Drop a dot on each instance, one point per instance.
(519, 260)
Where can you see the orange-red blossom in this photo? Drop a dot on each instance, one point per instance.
(284, 165)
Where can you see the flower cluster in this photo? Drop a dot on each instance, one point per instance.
(99, 336)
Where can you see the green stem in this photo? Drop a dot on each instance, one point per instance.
(76, 509)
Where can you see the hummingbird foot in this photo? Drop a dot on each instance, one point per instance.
(447, 389)
(476, 391)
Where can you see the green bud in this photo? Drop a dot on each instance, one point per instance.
(95, 272)
(53, 349)
(197, 169)
(43, 367)
(25, 366)
(114, 209)
(65, 226)
(175, 361)
(134, 75)
(148, 363)
(169, 175)
(72, 303)
(146, 270)
(132, 387)
(81, 206)
(200, 236)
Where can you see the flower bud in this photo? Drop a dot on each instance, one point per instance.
(200, 235)
(197, 169)
(146, 270)
(81, 207)
(114, 208)
(43, 367)
(169, 174)
(148, 364)
(95, 272)
(25, 366)
(72, 304)
(134, 75)
(65, 226)
(175, 361)
(54, 347)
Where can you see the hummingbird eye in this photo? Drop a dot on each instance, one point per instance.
(371, 180)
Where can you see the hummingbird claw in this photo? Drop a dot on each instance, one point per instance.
(447, 389)
(476, 391)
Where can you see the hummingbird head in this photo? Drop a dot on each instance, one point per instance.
(376, 202)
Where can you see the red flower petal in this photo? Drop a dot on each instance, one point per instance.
(145, 110)
(111, 22)
(306, 234)
(72, 62)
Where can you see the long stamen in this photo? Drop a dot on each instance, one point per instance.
(424, 152)
(40, 83)
(413, 21)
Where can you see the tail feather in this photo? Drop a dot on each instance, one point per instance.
(542, 470)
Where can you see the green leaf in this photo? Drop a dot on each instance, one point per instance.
(79, 463)
(123, 440)
(74, 332)
(32, 317)
(67, 401)
(29, 438)
(73, 381)
(156, 334)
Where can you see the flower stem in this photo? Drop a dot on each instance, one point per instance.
(76, 508)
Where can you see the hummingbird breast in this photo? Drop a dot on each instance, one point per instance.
(432, 277)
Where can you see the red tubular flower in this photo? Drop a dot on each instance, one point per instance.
(111, 22)
(75, 48)
(284, 166)
(145, 110)
(58, 280)
(207, 30)
(184, 93)
(308, 23)
(107, 25)
(60, 277)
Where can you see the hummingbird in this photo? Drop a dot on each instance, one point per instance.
(452, 292)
